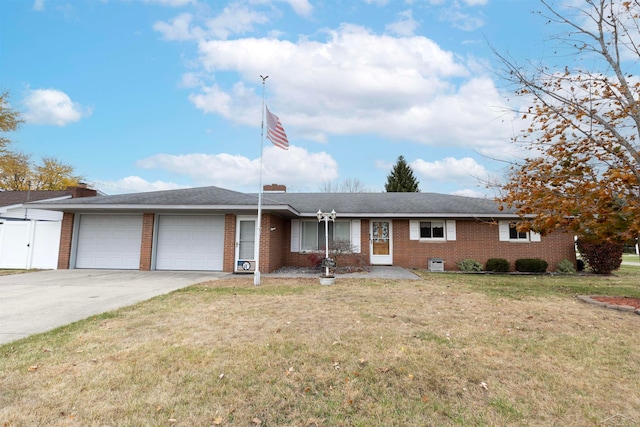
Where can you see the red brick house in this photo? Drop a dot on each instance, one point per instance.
(212, 228)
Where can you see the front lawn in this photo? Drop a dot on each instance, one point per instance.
(450, 349)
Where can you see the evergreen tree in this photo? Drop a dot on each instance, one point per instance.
(401, 178)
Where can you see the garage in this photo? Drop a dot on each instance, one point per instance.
(109, 241)
(190, 242)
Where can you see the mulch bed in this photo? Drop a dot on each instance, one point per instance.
(616, 303)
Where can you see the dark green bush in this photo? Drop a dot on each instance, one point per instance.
(499, 265)
(531, 265)
(601, 257)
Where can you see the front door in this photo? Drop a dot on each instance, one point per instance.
(245, 244)
(381, 244)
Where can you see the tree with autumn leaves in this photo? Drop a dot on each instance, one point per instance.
(582, 127)
(17, 171)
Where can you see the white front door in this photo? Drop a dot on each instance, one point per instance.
(245, 244)
(381, 246)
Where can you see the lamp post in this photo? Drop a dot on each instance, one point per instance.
(326, 217)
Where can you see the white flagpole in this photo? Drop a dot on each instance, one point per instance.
(256, 273)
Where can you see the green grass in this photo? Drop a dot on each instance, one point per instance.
(624, 282)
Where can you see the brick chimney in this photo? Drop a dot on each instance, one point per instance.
(81, 190)
(275, 188)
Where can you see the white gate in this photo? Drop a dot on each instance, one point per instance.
(29, 244)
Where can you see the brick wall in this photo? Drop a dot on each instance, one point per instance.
(305, 259)
(476, 239)
(66, 234)
(229, 243)
(146, 243)
(274, 230)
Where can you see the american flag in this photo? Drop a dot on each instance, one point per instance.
(275, 131)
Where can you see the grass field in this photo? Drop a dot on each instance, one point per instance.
(449, 349)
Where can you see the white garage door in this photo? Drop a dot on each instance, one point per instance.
(190, 242)
(109, 241)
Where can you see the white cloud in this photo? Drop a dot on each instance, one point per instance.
(243, 174)
(234, 19)
(405, 25)
(462, 21)
(134, 184)
(460, 171)
(471, 193)
(171, 3)
(300, 7)
(38, 5)
(179, 28)
(52, 107)
(191, 80)
(356, 82)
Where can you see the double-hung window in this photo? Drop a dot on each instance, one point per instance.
(313, 234)
(432, 229)
(514, 234)
(508, 232)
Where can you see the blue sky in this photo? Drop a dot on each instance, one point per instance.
(160, 94)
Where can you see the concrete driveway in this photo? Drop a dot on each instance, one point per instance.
(40, 301)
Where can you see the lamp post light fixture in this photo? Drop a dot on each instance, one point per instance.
(326, 217)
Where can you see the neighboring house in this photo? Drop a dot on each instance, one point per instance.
(29, 237)
(212, 228)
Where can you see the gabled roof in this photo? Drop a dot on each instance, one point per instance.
(196, 199)
(295, 204)
(11, 198)
(388, 204)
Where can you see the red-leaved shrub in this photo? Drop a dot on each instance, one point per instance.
(601, 257)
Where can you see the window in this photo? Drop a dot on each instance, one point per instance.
(509, 233)
(432, 229)
(514, 234)
(313, 235)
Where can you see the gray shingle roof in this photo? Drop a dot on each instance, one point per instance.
(9, 198)
(304, 204)
(186, 196)
(398, 204)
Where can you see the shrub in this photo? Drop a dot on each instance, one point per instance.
(499, 265)
(601, 257)
(531, 265)
(580, 264)
(315, 259)
(565, 267)
(469, 265)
